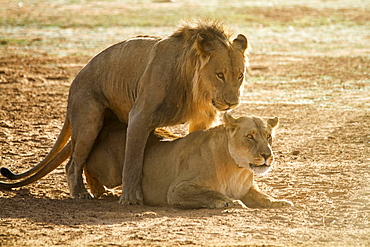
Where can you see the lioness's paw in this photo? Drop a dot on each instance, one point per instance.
(230, 204)
(85, 195)
(281, 203)
(236, 204)
(109, 195)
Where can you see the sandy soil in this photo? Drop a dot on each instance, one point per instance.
(322, 163)
(322, 160)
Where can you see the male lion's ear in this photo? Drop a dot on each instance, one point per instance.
(205, 43)
(273, 122)
(241, 41)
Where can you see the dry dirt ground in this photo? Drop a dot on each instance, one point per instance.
(322, 163)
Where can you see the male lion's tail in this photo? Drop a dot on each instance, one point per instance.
(59, 144)
(58, 159)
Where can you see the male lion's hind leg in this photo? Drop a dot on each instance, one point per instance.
(256, 198)
(86, 120)
(75, 181)
(191, 195)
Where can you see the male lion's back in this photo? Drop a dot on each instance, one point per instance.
(113, 75)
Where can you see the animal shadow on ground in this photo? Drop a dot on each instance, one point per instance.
(44, 210)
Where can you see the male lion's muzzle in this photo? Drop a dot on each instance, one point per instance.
(224, 106)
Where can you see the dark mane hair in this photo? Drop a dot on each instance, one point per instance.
(213, 29)
(188, 91)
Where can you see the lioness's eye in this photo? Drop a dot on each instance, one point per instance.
(269, 137)
(220, 75)
(241, 76)
(250, 136)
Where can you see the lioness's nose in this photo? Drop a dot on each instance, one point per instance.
(266, 155)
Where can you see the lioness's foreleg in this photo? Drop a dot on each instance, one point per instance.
(256, 198)
(192, 195)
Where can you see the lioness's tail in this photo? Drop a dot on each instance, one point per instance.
(59, 144)
(49, 167)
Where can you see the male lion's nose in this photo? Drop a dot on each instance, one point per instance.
(266, 155)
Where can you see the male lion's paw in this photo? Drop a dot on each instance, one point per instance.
(281, 203)
(130, 199)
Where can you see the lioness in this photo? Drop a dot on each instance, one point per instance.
(148, 82)
(212, 168)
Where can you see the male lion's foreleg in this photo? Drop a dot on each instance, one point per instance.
(256, 198)
(137, 135)
(191, 195)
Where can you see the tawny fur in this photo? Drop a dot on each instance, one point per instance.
(195, 171)
(149, 82)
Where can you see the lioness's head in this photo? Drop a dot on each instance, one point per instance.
(219, 66)
(250, 140)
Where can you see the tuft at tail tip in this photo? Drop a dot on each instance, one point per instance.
(7, 173)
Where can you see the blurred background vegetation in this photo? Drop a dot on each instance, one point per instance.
(63, 27)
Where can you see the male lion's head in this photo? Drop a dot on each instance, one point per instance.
(219, 65)
(250, 140)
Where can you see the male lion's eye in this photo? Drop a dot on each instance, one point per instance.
(220, 75)
(269, 137)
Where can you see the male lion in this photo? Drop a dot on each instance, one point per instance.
(148, 82)
(211, 168)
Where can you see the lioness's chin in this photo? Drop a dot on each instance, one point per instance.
(260, 170)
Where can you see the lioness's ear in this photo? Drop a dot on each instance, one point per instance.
(241, 42)
(205, 43)
(230, 123)
(273, 122)
(228, 119)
